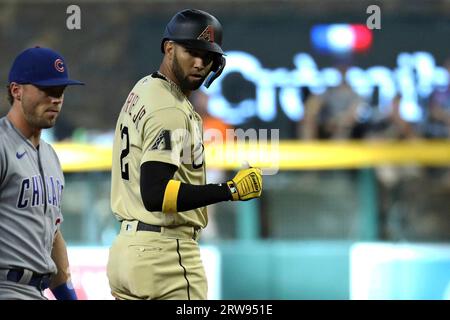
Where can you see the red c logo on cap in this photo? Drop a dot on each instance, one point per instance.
(59, 65)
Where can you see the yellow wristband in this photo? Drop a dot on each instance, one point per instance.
(170, 197)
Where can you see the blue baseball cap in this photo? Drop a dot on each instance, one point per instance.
(41, 67)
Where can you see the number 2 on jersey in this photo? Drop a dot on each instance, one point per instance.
(125, 151)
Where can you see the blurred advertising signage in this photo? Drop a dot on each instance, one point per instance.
(88, 270)
(388, 271)
(415, 78)
(341, 38)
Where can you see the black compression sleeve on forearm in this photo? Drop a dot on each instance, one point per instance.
(193, 196)
(154, 178)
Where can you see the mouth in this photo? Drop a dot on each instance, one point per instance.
(52, 111)
(197, 76)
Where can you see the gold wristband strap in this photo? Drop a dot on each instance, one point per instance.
(170, 197)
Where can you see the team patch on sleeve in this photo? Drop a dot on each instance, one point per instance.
(162, 141)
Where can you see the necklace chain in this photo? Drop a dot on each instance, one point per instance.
(173, 84)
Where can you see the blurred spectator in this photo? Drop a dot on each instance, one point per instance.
(398, 210)
(393, 126)
(437, 126)
(199, 100)
(333, 114)
(438, 122)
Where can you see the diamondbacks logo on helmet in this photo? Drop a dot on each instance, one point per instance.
(207, 34)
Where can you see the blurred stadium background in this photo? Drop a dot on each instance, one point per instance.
(360, 206)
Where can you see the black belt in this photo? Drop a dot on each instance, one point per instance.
(141, 226)
(40, 281)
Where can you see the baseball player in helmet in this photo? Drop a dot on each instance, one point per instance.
(33, 253)
(159, 192)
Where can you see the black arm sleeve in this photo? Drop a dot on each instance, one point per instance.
(192, 196)
(154, 178)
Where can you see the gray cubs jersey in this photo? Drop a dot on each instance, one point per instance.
(31, 184)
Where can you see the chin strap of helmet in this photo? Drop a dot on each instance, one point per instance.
(216, 70)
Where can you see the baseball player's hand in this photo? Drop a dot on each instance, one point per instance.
(246, 185)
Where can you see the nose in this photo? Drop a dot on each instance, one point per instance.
(56, 100)
(199, 63)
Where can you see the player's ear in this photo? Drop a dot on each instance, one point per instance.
(16, 90)
(169, 48)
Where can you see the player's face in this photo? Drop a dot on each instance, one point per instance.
(41, 105)
(191, 66)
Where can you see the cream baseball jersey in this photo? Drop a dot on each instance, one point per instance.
(156, 123)
(31, 185)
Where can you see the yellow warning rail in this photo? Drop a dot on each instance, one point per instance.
(287, 155)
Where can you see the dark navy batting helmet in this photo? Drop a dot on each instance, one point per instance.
(200, 30)
(195, 29)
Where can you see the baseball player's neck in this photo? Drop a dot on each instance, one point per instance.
(167, 73)
(20, 123)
